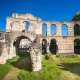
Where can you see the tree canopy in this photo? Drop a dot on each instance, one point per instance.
(76, 17)
(76, 26)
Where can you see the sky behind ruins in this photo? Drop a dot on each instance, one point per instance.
(56, 10)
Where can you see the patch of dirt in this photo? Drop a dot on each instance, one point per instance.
(12, 75)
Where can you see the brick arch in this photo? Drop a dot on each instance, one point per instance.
(76, 30)
(64, 29)
(44, 46)
(27, 24)
(18, 43)
(44, 29)
(22, 45)
(13, 36)
(22, 37)
(33, 49)
(53, 27)
(77, 46)
(53, 46)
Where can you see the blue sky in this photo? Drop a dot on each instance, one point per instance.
(53, 10)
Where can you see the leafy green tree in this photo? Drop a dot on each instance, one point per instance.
(76, 27)
(76, 17)
(76, 32)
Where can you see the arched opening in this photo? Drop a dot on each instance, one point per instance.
(44, 30)
(22, 44)
(76, 30)
(53, 29)
(22, 50)
(27, 24)
(44, 46)
(64, 30)
(53, 46)
(77, 46)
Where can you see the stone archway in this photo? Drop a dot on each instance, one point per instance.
(44, 46)
(53, 46)
(22, 44)
(77, 46)
(33, 47)
(44, 29)
(76, 30)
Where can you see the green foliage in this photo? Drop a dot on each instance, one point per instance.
(50, 71)
(48, 56)
(4, 69)
(77, 44)
(12, 60)
(76, 27)
(70, 59)
(76, 30)
(76, 17)
(25, 75)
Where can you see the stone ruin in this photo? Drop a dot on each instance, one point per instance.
(18, 36)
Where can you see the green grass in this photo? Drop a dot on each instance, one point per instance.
(71, 64)
(53, 68)
(4, 69)
(49, 72)
(72, 59)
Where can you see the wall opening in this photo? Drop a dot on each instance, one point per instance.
(77, 46)
(21, 44)
(53, 46)
(22, 50)
(44, 29)
(44, 46)
(64, 30)
(53, 29)
(27, 24)
(76, 30)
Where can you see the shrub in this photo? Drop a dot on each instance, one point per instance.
(12, 60)
(48, 56)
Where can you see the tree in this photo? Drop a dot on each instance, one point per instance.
(76, 17)
(76, 27)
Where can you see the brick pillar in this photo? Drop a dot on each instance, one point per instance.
(12, 50)
(70, 29)
(48, 45)
(35, 59)
(48, 30)
(4, 54)
(58, 29)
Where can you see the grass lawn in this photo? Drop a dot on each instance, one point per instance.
(53, 68)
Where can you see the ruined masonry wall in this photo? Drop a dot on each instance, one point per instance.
(16, 27)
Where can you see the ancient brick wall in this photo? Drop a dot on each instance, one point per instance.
(16, 27)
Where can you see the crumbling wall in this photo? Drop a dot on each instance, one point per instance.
(16, 27)
(34, 49)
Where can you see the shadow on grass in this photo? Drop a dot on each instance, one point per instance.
(72, 67)
(24, 62)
